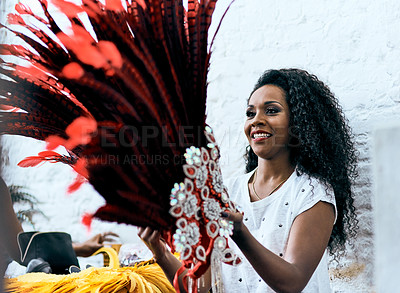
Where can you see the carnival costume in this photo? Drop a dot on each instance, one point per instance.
(124, 85)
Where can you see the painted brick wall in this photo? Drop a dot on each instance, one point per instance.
(353, 46)
(386, 168)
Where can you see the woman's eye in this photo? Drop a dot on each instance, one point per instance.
(271, 110)
(250, 114)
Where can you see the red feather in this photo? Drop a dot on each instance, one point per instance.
(73, 70)
(9, 108)
(54, 141)
(31, 161)
(32, 72)
(16, 50)
(114, 5)
(49, 154)
(110, 51)
(23, 9)
(79, 180)
(15, 19)
(68, 8)
(87, 220)
(141, 3)
(44, 2)
(80, 132)
(52, 157)
(80, 167)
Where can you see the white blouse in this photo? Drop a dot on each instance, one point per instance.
(269, 221)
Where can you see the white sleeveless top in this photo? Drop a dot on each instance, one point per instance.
(269, 221)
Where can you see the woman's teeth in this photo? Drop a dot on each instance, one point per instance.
(259, 135)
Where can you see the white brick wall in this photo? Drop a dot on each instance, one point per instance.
(354, 46)
(386, 168)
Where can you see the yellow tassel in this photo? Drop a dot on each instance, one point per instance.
(110, 256)
(147, 278)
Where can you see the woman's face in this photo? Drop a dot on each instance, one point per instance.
(267, 123)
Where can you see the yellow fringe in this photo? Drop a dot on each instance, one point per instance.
(146, 277)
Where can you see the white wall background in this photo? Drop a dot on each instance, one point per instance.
(386, 169)
(353, 46)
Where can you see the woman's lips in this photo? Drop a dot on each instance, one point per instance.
(260, 135)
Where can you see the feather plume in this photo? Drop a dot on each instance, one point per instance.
(126, 100)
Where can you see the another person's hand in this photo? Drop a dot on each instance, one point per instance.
(152, 239)
(91, 245)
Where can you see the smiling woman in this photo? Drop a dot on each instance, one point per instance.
(296, 197)
(319, 139)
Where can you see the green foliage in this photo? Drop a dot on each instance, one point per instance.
(19, 196)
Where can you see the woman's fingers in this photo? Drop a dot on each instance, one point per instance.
(234, 217)
(144, 233)
(140, 231)
(148, 234)
(108, 236)
(109, 233)
(152, 239)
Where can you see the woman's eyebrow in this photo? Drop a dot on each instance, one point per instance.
(272, 102)
(266, 103)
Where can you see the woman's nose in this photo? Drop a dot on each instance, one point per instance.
(259, 119)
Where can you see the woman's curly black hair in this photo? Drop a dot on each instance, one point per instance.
(321, 143)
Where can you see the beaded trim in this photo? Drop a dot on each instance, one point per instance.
(197, 204)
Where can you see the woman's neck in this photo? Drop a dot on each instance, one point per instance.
(271, 170)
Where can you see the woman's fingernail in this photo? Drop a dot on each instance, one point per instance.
(224, 214)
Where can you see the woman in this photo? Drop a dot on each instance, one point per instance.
(296, 198)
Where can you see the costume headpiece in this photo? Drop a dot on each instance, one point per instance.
(124, 91)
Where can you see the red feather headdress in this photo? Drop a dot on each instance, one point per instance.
(125, 94)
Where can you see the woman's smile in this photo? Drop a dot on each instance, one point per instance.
(259, 135)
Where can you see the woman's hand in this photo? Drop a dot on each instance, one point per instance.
(152, 239)
(91, 245)
(237, 219)
(166, 260)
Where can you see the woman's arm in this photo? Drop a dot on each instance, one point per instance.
(9, 224)
(166, 260)
(308, 239)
